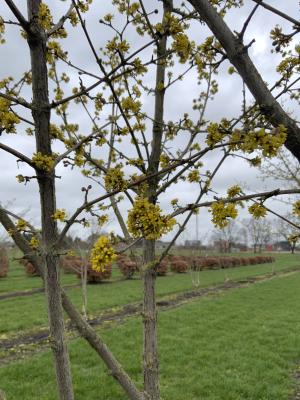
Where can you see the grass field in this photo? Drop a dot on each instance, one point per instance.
(28, 313)
(239, 345)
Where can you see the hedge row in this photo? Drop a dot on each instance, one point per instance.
(181, 264)
(129, 266)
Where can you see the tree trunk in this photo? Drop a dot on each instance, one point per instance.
(150, 355)
(46, 180)
(293, 247)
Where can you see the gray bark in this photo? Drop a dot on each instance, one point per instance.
(150, 353)
(238, 56)
(46, 181)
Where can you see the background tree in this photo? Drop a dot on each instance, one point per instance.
(284, 168)
(287, 231)
(260, 232)
(226, 237)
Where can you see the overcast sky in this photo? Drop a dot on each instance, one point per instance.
(14, 58)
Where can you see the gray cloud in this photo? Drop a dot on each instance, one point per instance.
(227, 103)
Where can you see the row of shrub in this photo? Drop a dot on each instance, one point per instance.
(178, 264)
(130, 266)
(181, 264)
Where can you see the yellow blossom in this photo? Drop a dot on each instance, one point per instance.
(233, 191)
(145, 219)
(194, 176)
(44, 16)
(59, 215)
(8, 120)
(221, 213)
(102, 254)
(296, 208)
(21, 224)
(257, 210)
(34, 242)
(114, 179)
(102, 220)
(42, 161)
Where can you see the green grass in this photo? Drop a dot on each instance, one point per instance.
(240, 345)
(26, 313)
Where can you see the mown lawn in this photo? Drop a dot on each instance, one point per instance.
(26, 313)
(239, 345)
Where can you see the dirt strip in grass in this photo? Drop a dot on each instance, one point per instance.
(15, 348)
(24, 293)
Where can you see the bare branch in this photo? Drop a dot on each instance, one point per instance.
(242, 33)
(17, 154)
(14, 9)
(262, 195)
(19, 100)
(278, 12)
(109, 83)
(61, 22)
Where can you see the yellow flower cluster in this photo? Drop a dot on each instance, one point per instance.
(44, 16)
(267, 142)
(8, 119)
(2, 31)
(102, 254)
(34, 242)
(114, 179)
(182, 46)
(83, 5)
(124, 6)
(193, 176)
(56, 132)
(233, 191)
(102, 220)
(128, 104)
(43, 161)
(139, 68)
(59, 215)
(170, 23)
(221, 213)
(21, 224)
(257, 210)
(146, 220)
(164, 160)
(296, 208)
(114, 45)
(214, 134)
(54, 51)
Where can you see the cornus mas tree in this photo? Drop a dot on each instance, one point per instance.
(100, 120)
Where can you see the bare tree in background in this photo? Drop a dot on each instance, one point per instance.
(290, 233)
(260, 232)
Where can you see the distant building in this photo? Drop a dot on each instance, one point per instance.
(192, 243)
(161, 245)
